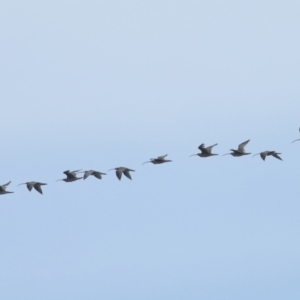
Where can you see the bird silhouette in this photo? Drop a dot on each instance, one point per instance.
(71, 176)
(159, 160)
(3, 189)
(205, 151)
(122, 170)
(34, 184)
(240, 151)
(264, 154)
(97, 174)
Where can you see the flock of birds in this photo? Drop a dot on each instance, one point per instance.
(205, 152)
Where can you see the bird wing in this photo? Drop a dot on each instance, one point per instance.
(38, 188)
(201, 146)
(126, 173)
(30, 185)
(263, 155)
(71, 174)
(242, 146)
(4, 186)
(207, 150)
(98, 174)
(119, 174)
(161, 157)
(276, 155)
(87, 174)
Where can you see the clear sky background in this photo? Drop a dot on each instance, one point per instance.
(103, 84)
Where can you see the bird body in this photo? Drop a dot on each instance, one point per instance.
(264, 154)
(97, 174)
(240, 151)
(122, 170)
(34, 184)
(205, 151)
(159, 160)
(3, 189)
(71, 176)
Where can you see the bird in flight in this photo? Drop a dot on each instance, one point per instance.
(122, 170)
(159, 160)
(3, 189)
(264, 154)
(71, 176)
(34, 184)
(97, 174)
(205, 151)
(240, 151)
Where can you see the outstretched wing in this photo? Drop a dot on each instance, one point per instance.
(38, 188)
(127, 174)
(276, 155)
(98, 174)
(87, 174)
(207, 150)
(30, 185)
(71, 174)
(242, 146)
(119, 174)
(4, 186)
(263, 155)
(162, 157)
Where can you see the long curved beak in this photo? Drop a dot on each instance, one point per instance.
(110, 170)
(226, 154)
(193, 155)
(59, 180)
(255, 154)
(295, 140)
(22, 183)
(146, 162)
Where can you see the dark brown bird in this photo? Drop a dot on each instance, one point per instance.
(205, 151)
(240, 151)
(264, 154)
(159, 160)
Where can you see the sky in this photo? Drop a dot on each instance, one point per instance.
(103, 84)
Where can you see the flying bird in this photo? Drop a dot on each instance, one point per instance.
(297, 139)
(122, 170)
(3, 189)
(97, 174)
(71, 176)
(264, 154)
(240, 151)
(205, 151)
(34, 184)
(159, 160)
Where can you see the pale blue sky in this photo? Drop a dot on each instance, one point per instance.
(102, 84)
